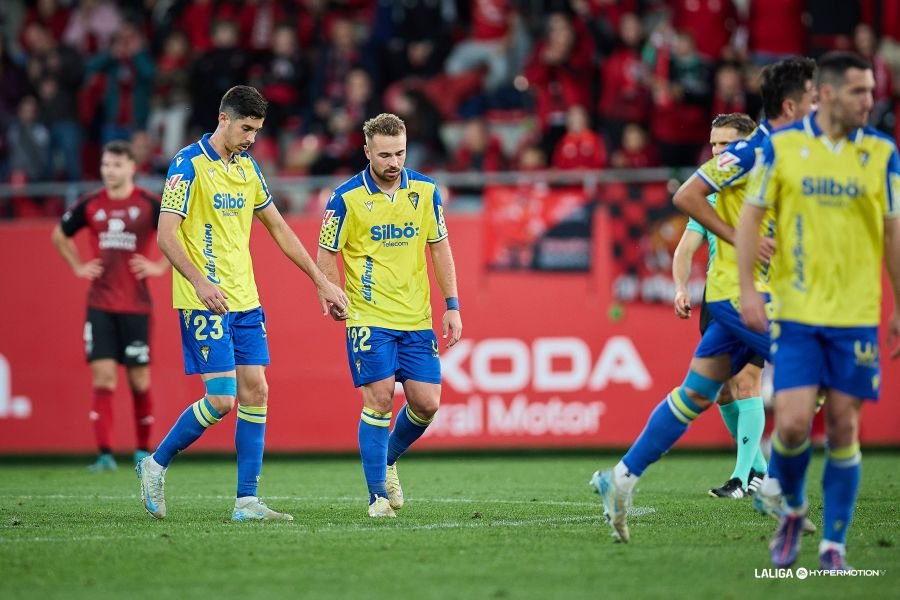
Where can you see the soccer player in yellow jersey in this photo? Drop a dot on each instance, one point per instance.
(745, 419)
(834, 186)
(381, 221)
(727, 345)
(213, 191)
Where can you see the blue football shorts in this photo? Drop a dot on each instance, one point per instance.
(840, 358)
(376, 353)
(727, 334)
(214, 343)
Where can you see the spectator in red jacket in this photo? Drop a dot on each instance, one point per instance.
(281, 76)
(636, 152)
(170, 104)
(775, 30)
(625, 93)
(886, 23)
(48, 14)
(865, 44)
(478, 150)
(488, 43)
(558, 77)
(681, 101)
(710, 22)
(579, 148)
(729, 94)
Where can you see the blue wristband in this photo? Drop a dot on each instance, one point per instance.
(453, 303)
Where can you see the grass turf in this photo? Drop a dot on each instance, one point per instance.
(486, 527)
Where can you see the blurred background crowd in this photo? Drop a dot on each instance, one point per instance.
(483, 85)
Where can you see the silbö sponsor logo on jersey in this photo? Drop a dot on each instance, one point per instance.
(228, 204)
(209, 255)
(366, 279)
(831, 192)
(393, 235)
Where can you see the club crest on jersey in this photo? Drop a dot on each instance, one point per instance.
(204, 350)
(134, 212)
(414, 199)
(369, 205)
(726, 160)
(186, 315)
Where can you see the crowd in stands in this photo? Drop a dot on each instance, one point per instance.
(483, 85)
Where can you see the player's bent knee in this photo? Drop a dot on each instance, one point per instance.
(221, 393)
(425, 410)
(744, 386)
(701, 389)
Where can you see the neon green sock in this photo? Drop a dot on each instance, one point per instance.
(750, 425)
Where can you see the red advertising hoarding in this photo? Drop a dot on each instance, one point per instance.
(547, 359)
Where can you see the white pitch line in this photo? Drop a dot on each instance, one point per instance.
(330, 528)
(351, 499)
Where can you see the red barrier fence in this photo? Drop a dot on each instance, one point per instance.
(546, 360)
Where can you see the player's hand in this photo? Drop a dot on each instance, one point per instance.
(682, 304)
(766, 251)
(337, 314)
(333, 300)
(753, 311)
(893, 336)
(212, 297)
(452, 325)
(90, 270)
(143, 267)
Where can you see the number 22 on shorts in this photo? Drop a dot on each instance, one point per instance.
(359, 337)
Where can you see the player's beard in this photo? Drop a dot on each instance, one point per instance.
(389, 176)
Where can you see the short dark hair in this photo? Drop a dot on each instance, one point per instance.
(785, 79)
(740, 122)
(833, 67)
(120, 147)
(243, 101)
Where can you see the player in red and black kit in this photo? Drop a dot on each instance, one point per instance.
(121, 218)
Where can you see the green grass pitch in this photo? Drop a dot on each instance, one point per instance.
(503, 526)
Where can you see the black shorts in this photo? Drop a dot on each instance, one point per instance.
(121, 336)
(706, 318)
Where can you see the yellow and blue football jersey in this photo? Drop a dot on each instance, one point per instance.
(830, 201)
(727, 175)
(382, 240)
(217, 200)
